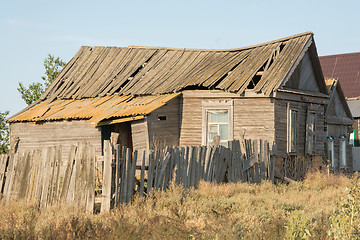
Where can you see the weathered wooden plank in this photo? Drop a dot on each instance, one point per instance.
(205, 165)
(272, 168)
(162, 170)
(3, 163)
(192, 166)
(178, 165)
(150, 179)
(256, 173)
(142, 175)
(117, 174)
(158, 160)
(124, 167)
(106, 187)
(131, 178)
(91, 180)
(201, 163)
(168, 169)
(186, 167)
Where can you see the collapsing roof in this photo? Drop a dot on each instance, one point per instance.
(96, 72)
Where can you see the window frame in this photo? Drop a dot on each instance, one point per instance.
(222, 105)
(310, 134)
(292, 150)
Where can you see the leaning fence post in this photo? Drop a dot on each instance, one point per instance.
(106, 188)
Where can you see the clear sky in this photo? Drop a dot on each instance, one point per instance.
(30, 30)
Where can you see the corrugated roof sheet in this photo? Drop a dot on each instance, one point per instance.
(94, 110)
(100, 71)
(345, 68)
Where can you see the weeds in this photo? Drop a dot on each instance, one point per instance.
(299, 210)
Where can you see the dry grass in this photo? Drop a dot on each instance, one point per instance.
(300, 210)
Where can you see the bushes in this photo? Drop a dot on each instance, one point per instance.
(300, 210)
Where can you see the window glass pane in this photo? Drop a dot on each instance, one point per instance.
(213, 128)
(224, 131)
(211, 136)
(218, 116)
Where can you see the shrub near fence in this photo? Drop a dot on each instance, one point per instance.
(246, 161)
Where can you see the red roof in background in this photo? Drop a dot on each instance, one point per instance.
(346, 68)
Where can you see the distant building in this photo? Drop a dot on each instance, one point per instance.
(346, 69)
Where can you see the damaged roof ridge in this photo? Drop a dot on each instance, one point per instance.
(221, 50)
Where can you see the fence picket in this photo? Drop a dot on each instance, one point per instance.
(142, 175)
(150, 179)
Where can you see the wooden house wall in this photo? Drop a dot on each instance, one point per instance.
(281, 131)
(65, 133)
(140, 136)
(164, 132)
(253, 119)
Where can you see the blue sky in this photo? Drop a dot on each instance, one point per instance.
(30, 30)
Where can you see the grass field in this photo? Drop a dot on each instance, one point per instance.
(320, 207)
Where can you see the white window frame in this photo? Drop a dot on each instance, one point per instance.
(291, 130)
(224, 105)
(310, 140)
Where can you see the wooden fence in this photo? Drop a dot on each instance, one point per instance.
(42, 177)
(246, 161)
(35, 176)
(4, 161)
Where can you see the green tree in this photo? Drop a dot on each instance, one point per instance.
(4, 133)
(53, 67)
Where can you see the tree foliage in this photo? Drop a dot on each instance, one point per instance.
(53, 67)
(4, 133)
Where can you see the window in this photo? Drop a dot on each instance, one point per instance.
(330, 151)
(310, 133)
(218, 125)
(217, 121)
(292, 130)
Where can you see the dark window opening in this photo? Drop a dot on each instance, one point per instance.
(162, 118)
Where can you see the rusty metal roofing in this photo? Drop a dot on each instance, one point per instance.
(345, 68)
(101, 71)
(93, 110)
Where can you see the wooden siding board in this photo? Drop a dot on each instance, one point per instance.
(34, 136)
(139, 134)
(164, 132)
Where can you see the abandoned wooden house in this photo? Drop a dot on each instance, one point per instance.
(339, 122)
(147, 97)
